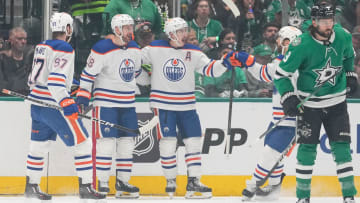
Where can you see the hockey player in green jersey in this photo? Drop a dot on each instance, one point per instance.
(324, 58)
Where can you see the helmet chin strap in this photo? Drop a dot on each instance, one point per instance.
(176, 40)
(120, 37)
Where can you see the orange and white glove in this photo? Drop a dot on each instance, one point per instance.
(70, 108)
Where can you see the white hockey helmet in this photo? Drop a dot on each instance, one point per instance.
(119, 21)
(289, 32)
(59, 22)
(174, 24)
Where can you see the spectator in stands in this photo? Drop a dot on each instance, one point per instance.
(357, 70)
(143, 36)
(87, 16)
(16, 62)
(199, 89)
(265, 51)
(356, 40)
(249, 25)
(227, 36)
(140, 10)
(2, 43)
(220, 86)
(207, 29)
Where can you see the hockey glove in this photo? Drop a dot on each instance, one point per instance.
(247, 60)
(70, 108)
(290, 103)
(83, 99)
(228, 60)
(351, 83)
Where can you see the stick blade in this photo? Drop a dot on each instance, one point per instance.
(5, 91)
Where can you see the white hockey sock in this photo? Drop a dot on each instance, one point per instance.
(268, 160)
(83, 161)
(124, 158)
(167, 148)
(36, 161)
(193, 156)
(104, 152)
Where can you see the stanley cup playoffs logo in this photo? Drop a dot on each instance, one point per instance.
(146, 145)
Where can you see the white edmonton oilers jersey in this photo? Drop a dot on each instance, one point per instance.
(110, 74)
(52, 71)
(173, 74)
(266, 73)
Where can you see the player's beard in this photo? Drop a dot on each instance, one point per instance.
(327, 33)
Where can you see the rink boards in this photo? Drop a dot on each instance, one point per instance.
(225, 174)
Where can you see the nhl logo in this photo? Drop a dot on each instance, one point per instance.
(127, 70)
(174, 70)
(144, 143)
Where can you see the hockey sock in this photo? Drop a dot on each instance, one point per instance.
(193, 156)
(306, 156)
(35, 160)
(269, 158)
(124, 157)
(167, 148)
(344, 168)
(83, 161)
(104, 152)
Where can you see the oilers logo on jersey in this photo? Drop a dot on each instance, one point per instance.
(127, 70)
(174, 69)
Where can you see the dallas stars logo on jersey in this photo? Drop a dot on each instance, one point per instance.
(328, 71)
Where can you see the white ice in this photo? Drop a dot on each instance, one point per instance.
(152, 199)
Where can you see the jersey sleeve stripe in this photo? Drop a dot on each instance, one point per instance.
(55, 84)
(264, 75)
(57, 79)
(85, 80)
(87, 76)
(41, 92)
(209, 71)
(58, 74)
(86, 73)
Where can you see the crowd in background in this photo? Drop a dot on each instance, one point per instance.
(213, 27)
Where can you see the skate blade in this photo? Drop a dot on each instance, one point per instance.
(126, 195)
(198, 195)
(246, 199)
(171, 194)
(92, 201)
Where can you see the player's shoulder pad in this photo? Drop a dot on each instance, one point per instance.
(104, 46)
(59, 45)
(133, 44)
(160, 43)
(340, 31)
(191, 46)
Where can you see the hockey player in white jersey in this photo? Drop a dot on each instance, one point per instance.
(109, 76)
(278, 139)
(50, 81)
(172, 98)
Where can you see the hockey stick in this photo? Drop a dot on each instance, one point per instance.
(152, 123)
(235, 10)
(293, 141)
(317, 89)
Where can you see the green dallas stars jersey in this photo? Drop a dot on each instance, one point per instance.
(315, 63)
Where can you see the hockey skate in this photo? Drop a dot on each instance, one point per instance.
(86, 191)
(349, 200)
(170, 187)
(33, 191)
(125, 190)
(196, 190)
(103, 187)
(249, 192)
(303, 200)
(269, 192)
